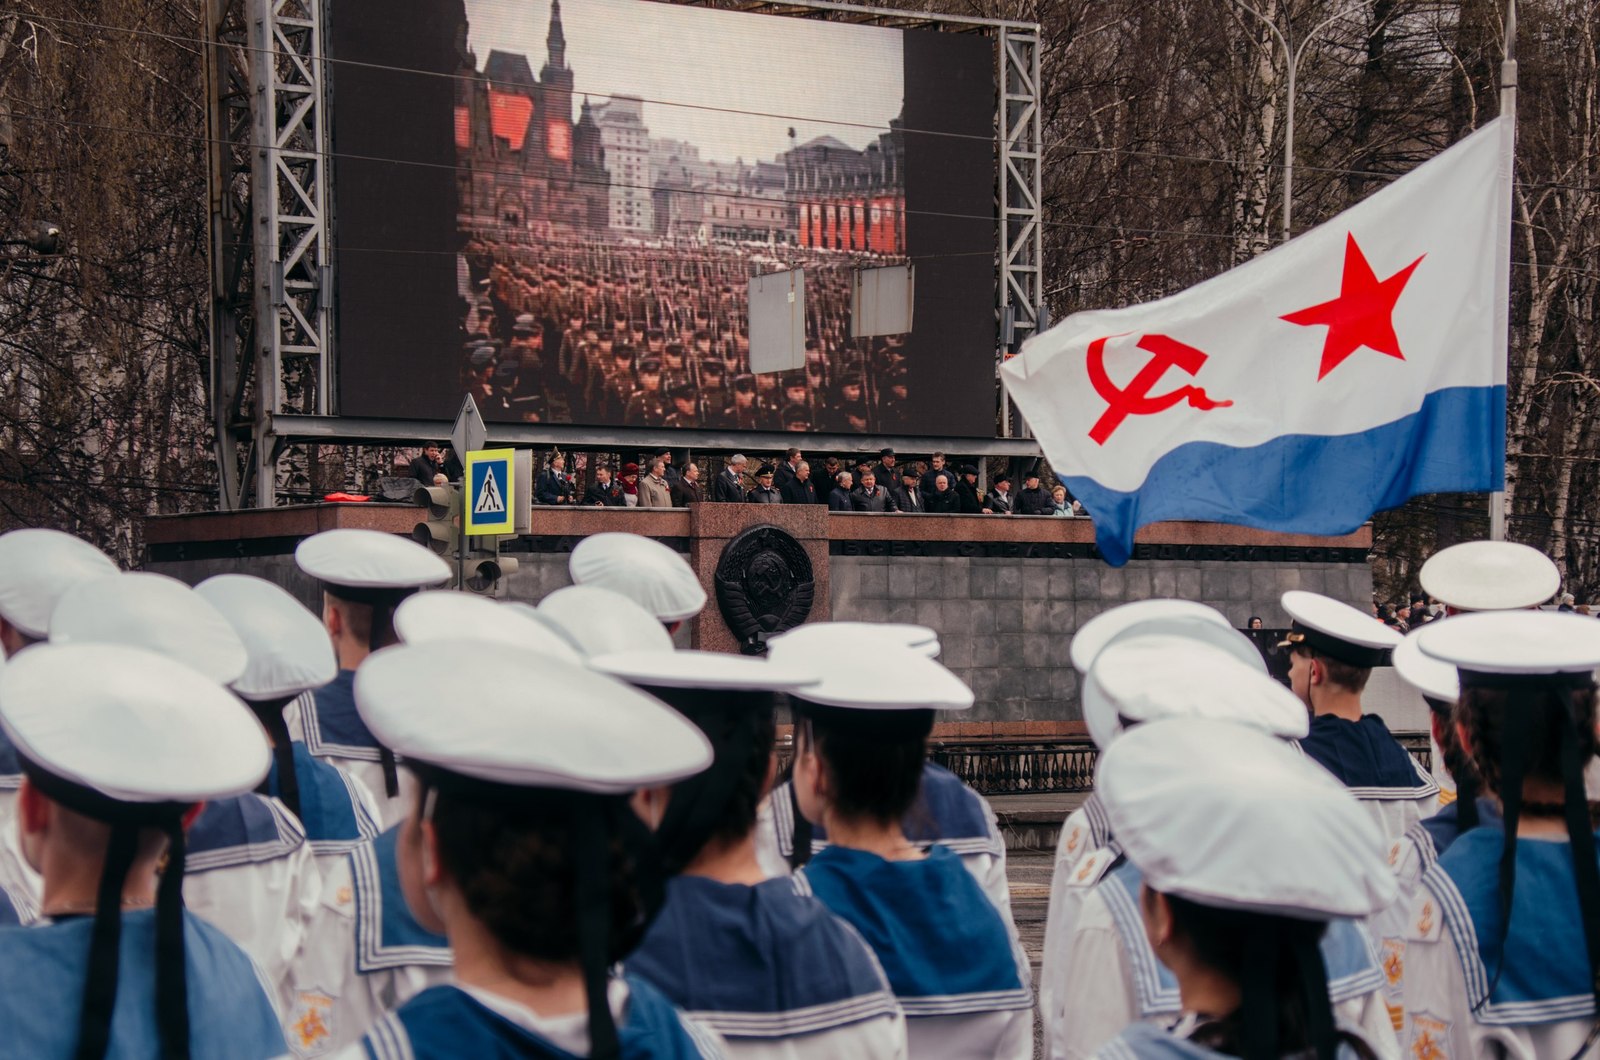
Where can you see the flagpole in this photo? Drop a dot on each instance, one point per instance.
(1508, 109)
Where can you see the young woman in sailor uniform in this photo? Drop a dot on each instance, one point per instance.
(119, 746)
(364, 575)
(1246, 852)
(1503, 938)
(524, 852)
(1333, 648)
(861, 740)
(1109, 973)
(1086, 831)
(748, 955)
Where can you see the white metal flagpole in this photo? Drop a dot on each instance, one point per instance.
(1508, 109)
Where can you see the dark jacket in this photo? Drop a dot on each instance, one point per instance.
(685, 493)
(998, 504)
(878, 501)
(611, 496)
(823, 481)
(552, 488)
(781, 474)
(929, 475)
(727, 489)
(423, 469)
(946, 503)
(967, 498)
(1034, 502)
(759, 495)
(888, 477)
(908, 500)
(797, 492)
(839, 501)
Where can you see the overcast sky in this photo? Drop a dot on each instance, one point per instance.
(807, 74)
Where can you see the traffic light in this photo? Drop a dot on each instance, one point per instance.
(442, 529)
(485, 566)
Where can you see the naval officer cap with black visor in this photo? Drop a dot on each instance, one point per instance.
(132, 739)
(1225, 816)
(731, 698)
(1335, 629)
(377, 570)
(533, 731)
(288, 653)
(36, 567)
(642, 569)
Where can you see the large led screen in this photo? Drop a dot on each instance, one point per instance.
(559, 207)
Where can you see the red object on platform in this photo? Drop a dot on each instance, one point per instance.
(340, 498)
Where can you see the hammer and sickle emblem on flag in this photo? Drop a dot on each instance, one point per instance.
(1135, 399)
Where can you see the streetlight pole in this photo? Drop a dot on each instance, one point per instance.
(1292, 57)
(1508, 108)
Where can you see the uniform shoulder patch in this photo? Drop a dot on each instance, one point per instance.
(1430, 1037)
(1091, 867)
(311, 1027)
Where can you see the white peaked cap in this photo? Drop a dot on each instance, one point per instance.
(154, 612)
(523, 720)
(642, 569)
(448, 615)
(1490, 576)
(1099, 630)
(1336, 629)
(886, 678)
(1432, 677)
(36, 567)
(709, 670)
(369, 559)
(130, 724)
(598, 621)
(1226, 816)
(289, 650)
(829, 637)
(1160, 676)
(1515, 642)
(1201, 629)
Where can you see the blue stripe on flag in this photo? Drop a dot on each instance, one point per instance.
(1312, 484)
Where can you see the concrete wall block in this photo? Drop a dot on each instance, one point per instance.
(1061, 582)
(1164, 582)
(1113, 584)
(982, 580)
(983, 617)
(955, 618)
(1059, 618)
(985, 650)
(986, 684)
(1010, 651)
(1036, 584)
(1008, 616)
(902, 611)
(929, 613)
(1008, 582)
(1189, 584)
(1085, 611)
(1263, 585)
(1315, 579)
(1035, 616)
(955, 582)
(1239, 586)
(1215, 584)
(1086, 578)
(1136, 583)
(1041, 652)
(930, 578)
(902, 581)
(956, 653)
(874, 579)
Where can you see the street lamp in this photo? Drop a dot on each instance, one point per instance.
(1293, 56)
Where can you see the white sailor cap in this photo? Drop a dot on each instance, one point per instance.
(1514, 643)
(523, 720)
(1157, 676)
(1490, 576)
(357, 564)
(642, 569)
(289, 650)
(448, 615)
(36, 567)
(154, 612)
(886, 679)
(1337, 630)
(831, 637)
(1226, 816)
(711, 671)
(129, 724)
(1099, 630)
(1434, 678)
(598, 621)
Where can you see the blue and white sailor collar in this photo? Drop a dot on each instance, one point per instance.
(946, 812)
(331, 725)
(335, 819)
(247, 829)
(387, 935)
(1366, 758)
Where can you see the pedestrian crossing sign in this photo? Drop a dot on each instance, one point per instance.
(490, 502)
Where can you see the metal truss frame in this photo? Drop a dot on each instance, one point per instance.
(272, 355)
(270, 233)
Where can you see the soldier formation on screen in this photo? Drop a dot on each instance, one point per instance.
(425, 824)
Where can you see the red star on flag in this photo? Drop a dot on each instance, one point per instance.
(1362, 315)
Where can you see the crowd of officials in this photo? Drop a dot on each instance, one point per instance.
(634, 336)
(881, 485)
(231, 827)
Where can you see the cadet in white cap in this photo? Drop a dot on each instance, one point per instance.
(364, 575)
(36, 567)
(946, 810)
(119, 746)
(1106, 973)
(860, 742)
(1502, 949)
(598, 621)
(1333, 648)
(523, 850)
(770, 969)
(642, 569)
(449, 615)
(1086, 829)
(1247, 853)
